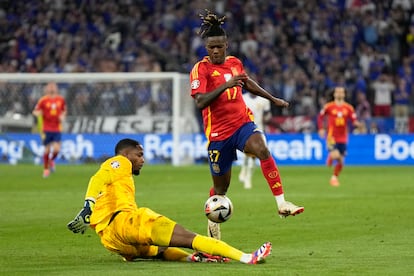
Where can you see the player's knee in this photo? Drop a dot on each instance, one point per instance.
(258, 150)
(335, 154)
(262, 153)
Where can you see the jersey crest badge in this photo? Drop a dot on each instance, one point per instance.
(216, 167)
(115, 164)
(195, 84)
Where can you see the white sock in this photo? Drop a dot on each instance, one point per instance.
(246, 258)
(280, 199)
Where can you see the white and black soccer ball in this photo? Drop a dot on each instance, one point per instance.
(218, 208)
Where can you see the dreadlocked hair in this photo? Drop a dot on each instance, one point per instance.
(211, 25)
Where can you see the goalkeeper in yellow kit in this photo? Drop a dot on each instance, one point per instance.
(138, 232)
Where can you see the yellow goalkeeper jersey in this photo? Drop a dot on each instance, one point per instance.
(114, 190)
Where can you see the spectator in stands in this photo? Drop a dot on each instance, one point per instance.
(401, 105)
(383, 89)
(363, 107)
(363, 112)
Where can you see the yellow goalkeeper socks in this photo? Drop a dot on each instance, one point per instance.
(216, 247)
(175, 254)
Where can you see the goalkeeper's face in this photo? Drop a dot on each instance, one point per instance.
(136, 156)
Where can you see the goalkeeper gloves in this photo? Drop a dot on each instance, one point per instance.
(81, 222)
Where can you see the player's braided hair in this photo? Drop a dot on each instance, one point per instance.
(211, 25)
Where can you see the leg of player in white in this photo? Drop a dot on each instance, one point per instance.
(249, 172)
(246, 171)
(243, 168)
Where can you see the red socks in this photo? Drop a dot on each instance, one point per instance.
(46, 161)
(329, 161)
(271, 173)
(338, 168)
(212, 192)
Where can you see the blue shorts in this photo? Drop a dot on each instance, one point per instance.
(221, 154)
(52, 137)
(341, 147)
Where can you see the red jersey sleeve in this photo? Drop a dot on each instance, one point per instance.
(198, 79)
(352, 114)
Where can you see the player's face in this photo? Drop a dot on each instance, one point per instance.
(339, 93)
(216, 47)
(136, 156)
(51, 89)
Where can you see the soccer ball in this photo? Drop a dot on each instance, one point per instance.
(218, 208)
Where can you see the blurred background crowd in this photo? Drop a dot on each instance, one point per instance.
(297, 49)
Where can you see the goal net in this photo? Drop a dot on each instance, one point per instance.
(150, 105)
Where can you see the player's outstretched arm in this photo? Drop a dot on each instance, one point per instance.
(253, 87)
(81, 222)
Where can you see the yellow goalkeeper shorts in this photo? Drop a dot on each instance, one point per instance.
(137, 234)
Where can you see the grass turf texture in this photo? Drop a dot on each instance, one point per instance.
(363, 227)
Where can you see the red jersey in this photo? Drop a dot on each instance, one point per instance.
(228, 112)
(52, 108)
(338, 118)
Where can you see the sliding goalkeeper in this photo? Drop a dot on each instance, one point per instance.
(133, 232)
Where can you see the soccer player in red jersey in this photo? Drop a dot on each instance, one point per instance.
(216, 86)
(50, 111)
(339, 113)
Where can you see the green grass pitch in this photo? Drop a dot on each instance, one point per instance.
(363, 227)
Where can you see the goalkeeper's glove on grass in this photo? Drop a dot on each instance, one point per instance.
(81, 222)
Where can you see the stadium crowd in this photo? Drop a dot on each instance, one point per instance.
(298, 49)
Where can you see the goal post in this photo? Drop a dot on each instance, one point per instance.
(119, 103)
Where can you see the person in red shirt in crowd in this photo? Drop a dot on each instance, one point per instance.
(216, 86)
(338, 113)
(50, 111)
